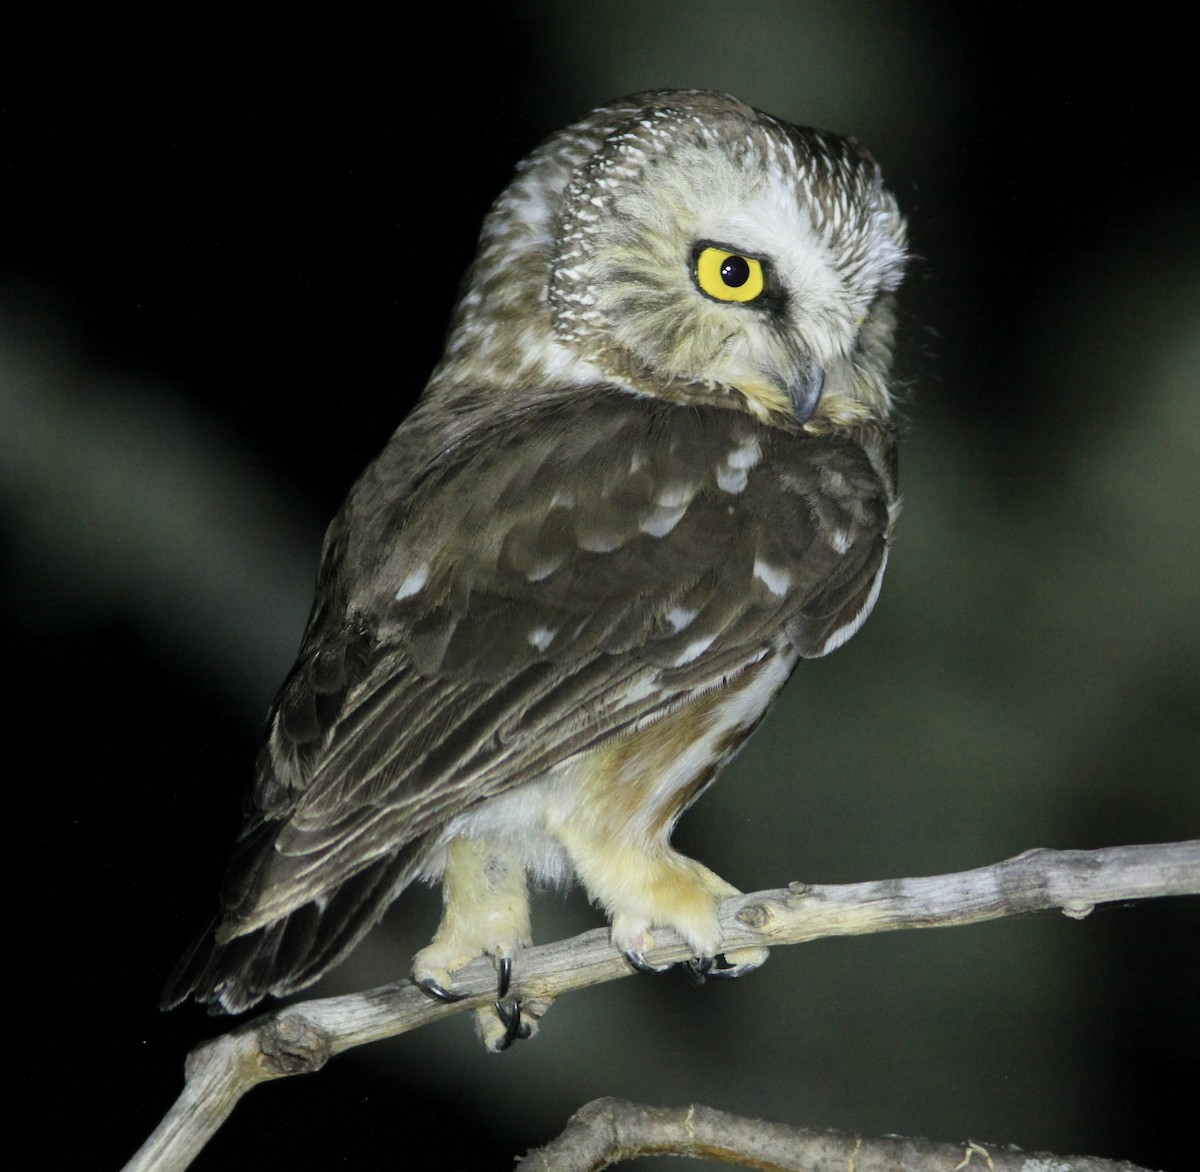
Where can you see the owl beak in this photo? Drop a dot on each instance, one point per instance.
(803, 390)
(796, 391)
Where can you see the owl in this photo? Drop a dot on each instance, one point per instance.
(653, 470)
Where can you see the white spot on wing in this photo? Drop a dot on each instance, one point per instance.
(413, 583)
(731, 480)
(641, 689)
(694, 650)
(544, 570)
(680, 617)
(674, 495)
(662, 521)
(777, 581)
(542, 637)
(600, 542)
(745, 455)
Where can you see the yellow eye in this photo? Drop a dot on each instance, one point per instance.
(728, 276)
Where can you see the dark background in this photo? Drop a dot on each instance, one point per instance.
(227, 257)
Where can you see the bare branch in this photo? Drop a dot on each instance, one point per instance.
(609, 1130)
(301, 1038)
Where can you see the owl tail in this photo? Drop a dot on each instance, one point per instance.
(291, 953)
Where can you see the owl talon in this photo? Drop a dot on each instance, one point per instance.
(724, 970)
(515, 1030)
(699, 968)
(639, 963)
(504, 966)
(431, 988)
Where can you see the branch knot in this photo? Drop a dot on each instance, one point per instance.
(292, 1044)
(755, 916)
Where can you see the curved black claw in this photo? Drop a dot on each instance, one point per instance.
(724, 971)
(505, 967)
(699, 968)
(639, 963)
(514, 1029)
(431, 988)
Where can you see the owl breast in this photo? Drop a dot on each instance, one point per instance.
(631, 791)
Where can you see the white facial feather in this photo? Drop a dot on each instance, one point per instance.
(591, 251)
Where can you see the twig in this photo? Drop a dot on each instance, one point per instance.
(301, 1038)
(608, 1130)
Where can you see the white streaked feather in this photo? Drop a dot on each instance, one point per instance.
(845, 632)
(414, 583)
(778, 581)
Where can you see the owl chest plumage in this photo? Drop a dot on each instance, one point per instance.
(630, 792)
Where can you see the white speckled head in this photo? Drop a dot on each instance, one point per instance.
(586, 267)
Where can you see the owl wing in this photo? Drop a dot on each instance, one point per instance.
(557, 579)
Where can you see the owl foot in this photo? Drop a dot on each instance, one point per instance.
(509, 1020)
(434, 984)
(721, 968)
(485, 913)
(501, 1023)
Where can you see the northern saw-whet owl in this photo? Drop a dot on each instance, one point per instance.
(653, 469)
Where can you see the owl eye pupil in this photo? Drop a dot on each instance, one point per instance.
(735, 271)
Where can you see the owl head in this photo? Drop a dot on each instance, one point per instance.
(684, 245)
